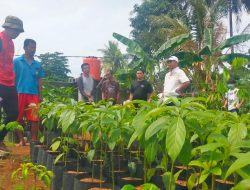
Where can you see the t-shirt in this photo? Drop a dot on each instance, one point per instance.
(232, 98)
(27, 75)
(141, 89)
(110, 89)
(7, 75)
(173, 80)
(88, 85)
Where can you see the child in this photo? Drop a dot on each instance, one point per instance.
(232, 101)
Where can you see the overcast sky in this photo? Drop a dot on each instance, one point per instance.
(73, 27)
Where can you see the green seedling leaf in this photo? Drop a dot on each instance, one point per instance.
(55, 145)
(156, 126)
(150, 186)
(90, 155)
(128, 187)
(238, 164)
(242, 185)
(175, 138)
(58, 158)
(191, 181)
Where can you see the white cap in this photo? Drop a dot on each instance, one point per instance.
(173, 58)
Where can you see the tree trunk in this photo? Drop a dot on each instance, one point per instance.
(230, 11)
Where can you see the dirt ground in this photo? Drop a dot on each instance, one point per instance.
(18, 155)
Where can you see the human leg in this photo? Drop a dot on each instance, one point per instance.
(9, 104)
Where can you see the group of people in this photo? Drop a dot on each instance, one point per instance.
(176, 81)
(20, 81)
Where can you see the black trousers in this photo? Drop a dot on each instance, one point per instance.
(8, 97)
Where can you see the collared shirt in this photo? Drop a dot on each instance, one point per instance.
(7, 75)
(173, 80)
(27, 75)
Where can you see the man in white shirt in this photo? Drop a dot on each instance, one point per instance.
(176, 81)
(232, 101)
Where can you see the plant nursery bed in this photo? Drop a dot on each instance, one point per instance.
(18, 155)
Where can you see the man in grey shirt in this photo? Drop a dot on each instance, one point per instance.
(85, 84)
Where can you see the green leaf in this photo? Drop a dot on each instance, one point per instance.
(237, 39)
(149, 186)
(55, 145)
(191, 181)
(242, 185)
(175, 138)
(132, 168)
(216, 171)
(90, 155)
(150, 173)
(204, 186)
(237, 133)
(66, 119)
(132, 45)
(172, 43)
(58, 158)
(168, 180)
(185, 154)
(238, 164)
(151, 149)
(128, 187)
(156, 126)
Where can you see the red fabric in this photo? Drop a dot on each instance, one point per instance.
(7, 76)
(30, 113)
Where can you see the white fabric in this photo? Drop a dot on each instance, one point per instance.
(88, 84)
(173, 80)
(232, 98)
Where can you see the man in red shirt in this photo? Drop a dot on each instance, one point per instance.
(13, 26)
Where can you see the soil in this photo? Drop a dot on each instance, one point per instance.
(19, 154)
(91, 180)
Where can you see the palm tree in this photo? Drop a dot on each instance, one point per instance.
(113, 57)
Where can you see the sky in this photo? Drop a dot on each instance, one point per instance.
(74, 27)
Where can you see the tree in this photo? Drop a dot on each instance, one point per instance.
(143, 32)
(55, 66)
(113, 57)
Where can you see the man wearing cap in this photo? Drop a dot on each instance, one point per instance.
(176, 81)
(13, 26)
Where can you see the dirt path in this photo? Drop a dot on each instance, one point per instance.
(10, 164)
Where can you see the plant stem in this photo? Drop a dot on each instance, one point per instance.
(171, 177)
(112, 165)
(213, 180)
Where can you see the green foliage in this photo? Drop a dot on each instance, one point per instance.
(39, 172)
(55, 66)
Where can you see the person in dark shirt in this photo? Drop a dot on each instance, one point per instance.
(141, 89)
(110, 88)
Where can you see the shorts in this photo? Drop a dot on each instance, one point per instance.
(28, 107)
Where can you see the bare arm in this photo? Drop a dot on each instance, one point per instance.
(182, 87)
(130, 96)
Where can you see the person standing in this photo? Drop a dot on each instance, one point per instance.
(140, 89)
(232, 101)
(85, 84)
(110, 88)
(176, 81)
(13, 26)
(29, 75)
